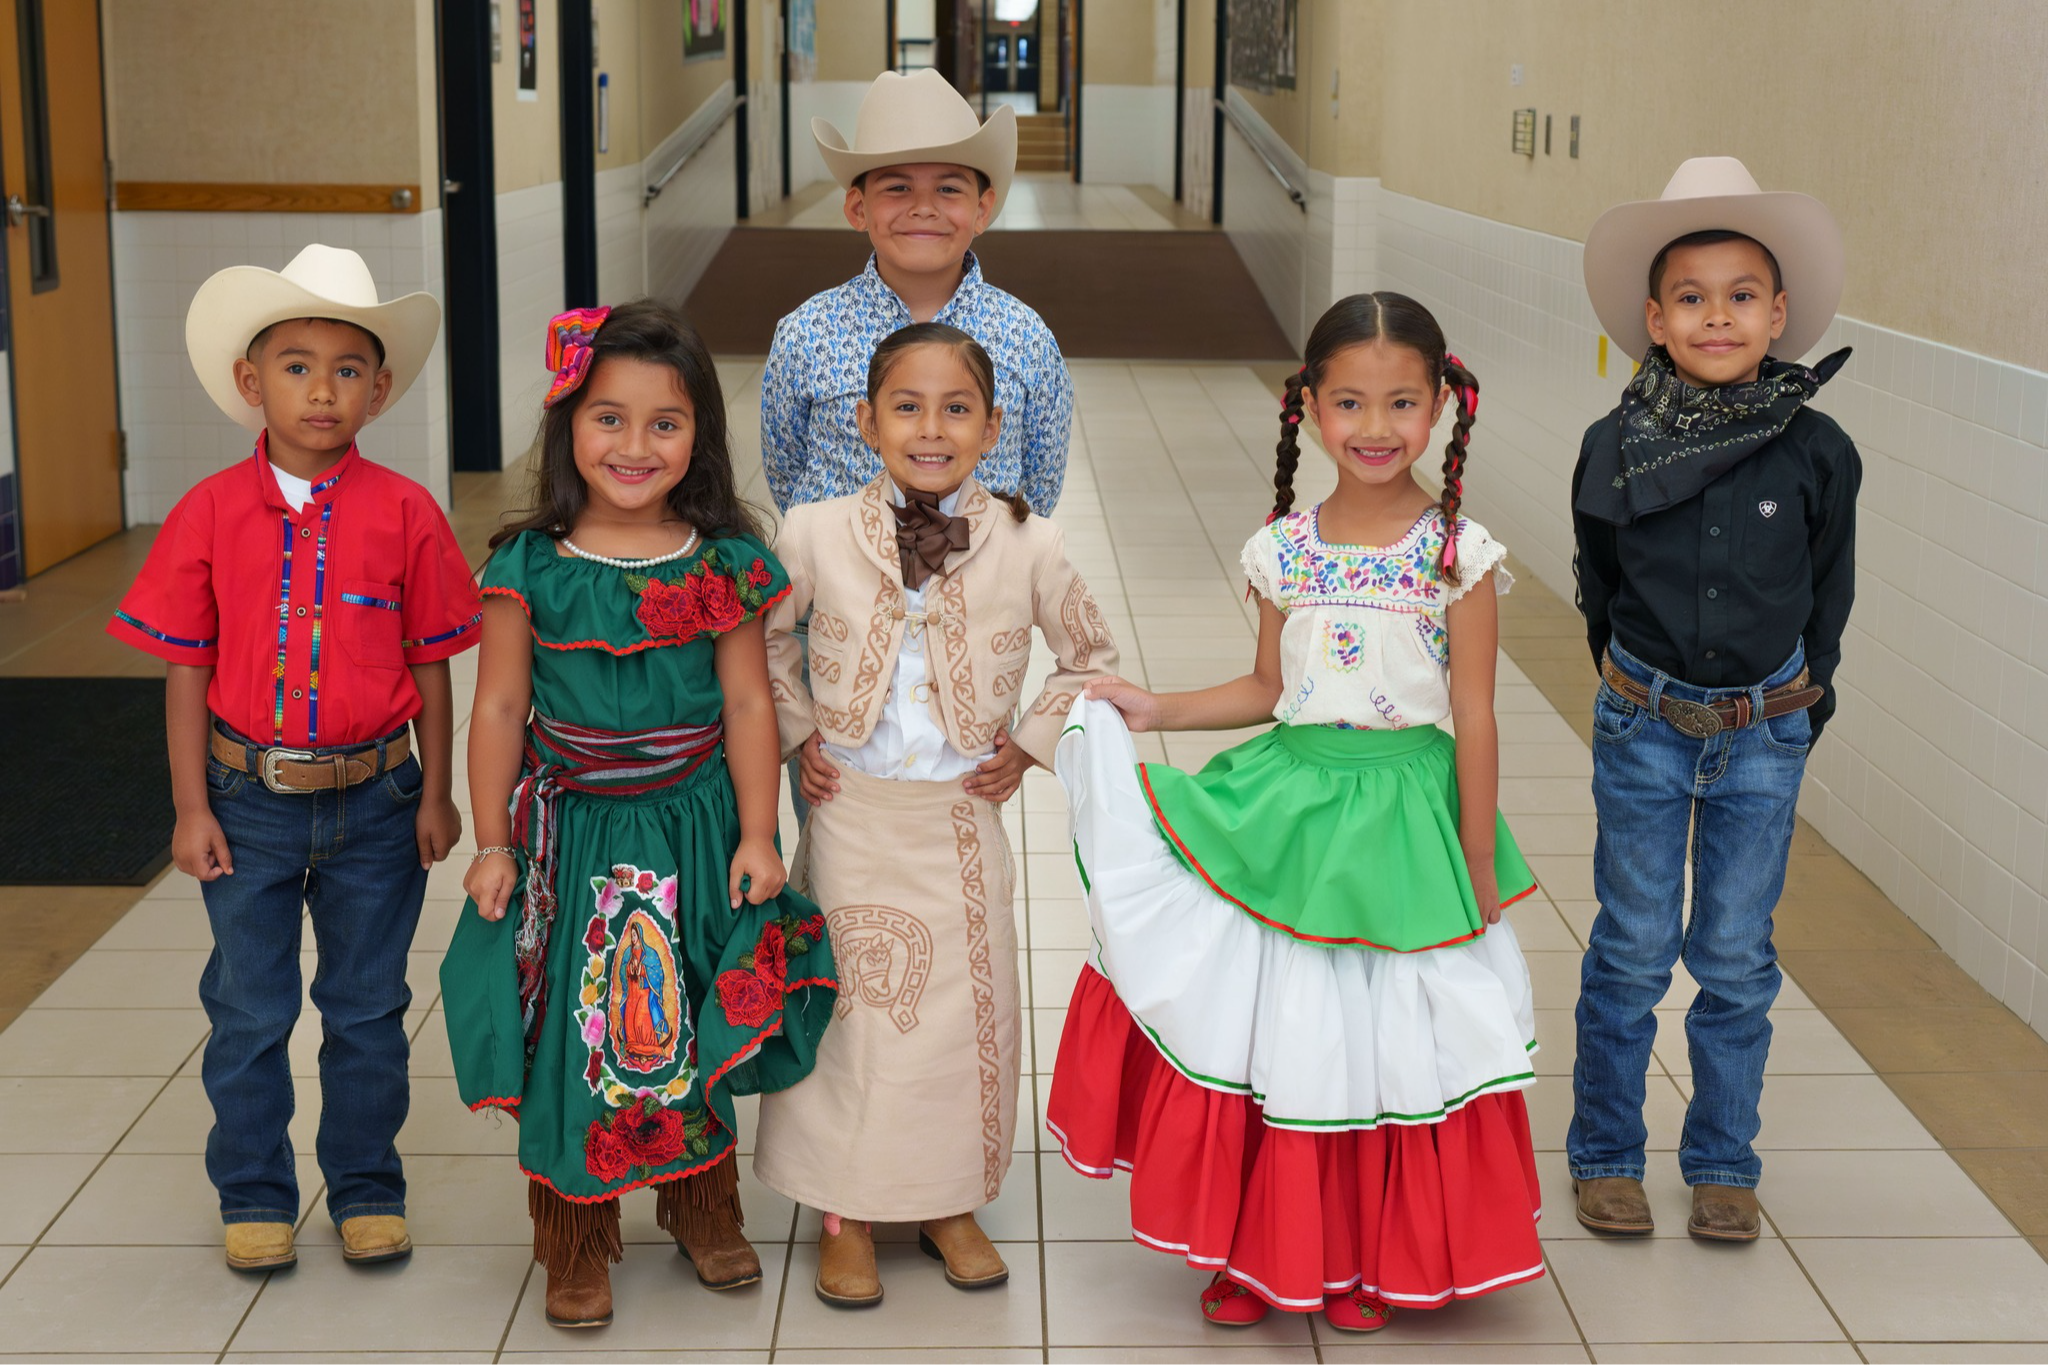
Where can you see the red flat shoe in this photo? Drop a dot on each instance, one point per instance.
(1357, 1311)
(1229, 1304)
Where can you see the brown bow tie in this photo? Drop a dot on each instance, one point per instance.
(925, 536)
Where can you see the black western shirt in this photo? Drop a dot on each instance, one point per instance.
(1718, 589)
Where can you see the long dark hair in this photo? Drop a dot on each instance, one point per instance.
(1399, 321)
(707, 497)
(968, 352)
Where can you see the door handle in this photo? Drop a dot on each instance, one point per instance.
(19, 211)
(451, 187)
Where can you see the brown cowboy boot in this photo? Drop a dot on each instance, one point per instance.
(702, 1212)
(1614, 1204)
(1725, 1213)
(847, 1274)
(970, 1259)
(577, 1244)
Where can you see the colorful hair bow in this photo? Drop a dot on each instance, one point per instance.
(570, 337)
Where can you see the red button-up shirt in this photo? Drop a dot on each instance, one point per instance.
(312, 618)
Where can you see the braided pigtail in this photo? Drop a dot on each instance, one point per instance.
(1466, 387)
(1288, 452)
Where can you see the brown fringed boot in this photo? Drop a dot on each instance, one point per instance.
(702, 1212)
(577, 1244)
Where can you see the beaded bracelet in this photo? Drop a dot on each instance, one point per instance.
(481, 853)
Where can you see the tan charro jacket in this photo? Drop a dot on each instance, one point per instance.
(843, 569)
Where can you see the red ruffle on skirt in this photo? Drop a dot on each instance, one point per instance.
(1419, 1214)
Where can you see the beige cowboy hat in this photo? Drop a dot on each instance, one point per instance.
(1706, 193)
(321, 282)
(918, 118)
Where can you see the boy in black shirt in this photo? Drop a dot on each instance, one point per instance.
(1715, 516)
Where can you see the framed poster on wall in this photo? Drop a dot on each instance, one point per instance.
(803, 40)
(529, 51)
(704, 30)
(1263, 40)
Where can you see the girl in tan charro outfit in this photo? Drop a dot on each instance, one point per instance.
(923, 590)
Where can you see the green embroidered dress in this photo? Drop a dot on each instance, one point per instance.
(618, 1022)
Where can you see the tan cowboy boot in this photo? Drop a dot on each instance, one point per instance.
(702, 1212)
(724, 1258)
(583, 1296)
(1614, 1204)
(847, 1274)
(260, 1246)
(374, 1237)
(970, 1258)
(1725, 1213)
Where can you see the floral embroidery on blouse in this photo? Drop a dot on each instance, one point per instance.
(1398, 577)
(1343, 645)
(1429, 628)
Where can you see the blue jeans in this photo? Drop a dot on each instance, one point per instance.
(350, 857)
(1732, 798)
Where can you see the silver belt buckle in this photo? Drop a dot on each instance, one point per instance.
(1692, 718)
(273, 757)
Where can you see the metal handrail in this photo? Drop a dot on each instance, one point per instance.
(1237, 121)
(654, 190)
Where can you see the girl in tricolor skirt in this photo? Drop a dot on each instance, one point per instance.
(1304, 1024)
(634, 961)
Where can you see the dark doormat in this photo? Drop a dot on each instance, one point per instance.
(84, 780)
(1106, 295)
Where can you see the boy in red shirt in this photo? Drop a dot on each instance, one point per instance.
(307, 602)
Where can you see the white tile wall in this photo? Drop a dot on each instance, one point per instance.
(530, 291)
(1127, 135)
(175, 434)
(1272, 235)
(685, 227)
(1198, 149)
(621, 248)
(1933, 777)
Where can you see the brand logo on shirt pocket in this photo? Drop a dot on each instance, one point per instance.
(1767, 507)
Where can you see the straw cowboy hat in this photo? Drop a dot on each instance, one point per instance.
(1716, 192)
(918, 118)
(321, 282)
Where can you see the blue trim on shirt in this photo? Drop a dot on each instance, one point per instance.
(153, 633)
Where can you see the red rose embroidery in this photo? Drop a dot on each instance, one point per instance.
(653, 1139)
(747, 1000)
(814, 927)
(771, 958)
(596, 1067)
(718, 597)
(670, 609)
(605, 1154)
(594, 936)
(759, 575)
(645, 884)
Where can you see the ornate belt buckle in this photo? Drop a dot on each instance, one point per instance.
(1692, 718)
(273, 758)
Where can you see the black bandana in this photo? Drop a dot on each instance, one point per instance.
(1677, 439)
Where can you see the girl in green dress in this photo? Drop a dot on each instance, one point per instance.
(634, 961)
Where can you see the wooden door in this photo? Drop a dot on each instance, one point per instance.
(53, 177)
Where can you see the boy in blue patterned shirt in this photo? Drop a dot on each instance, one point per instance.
(924, 179)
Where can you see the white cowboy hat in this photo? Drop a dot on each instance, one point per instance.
(1716, 192)
(918, 118)
(321, 282)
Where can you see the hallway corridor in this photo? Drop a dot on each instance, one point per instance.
(1878, 1243)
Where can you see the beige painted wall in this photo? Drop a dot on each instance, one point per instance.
(619, 56)
(853, 39)
(1922, 123)
(1343, 36)
(1116, 42)
(528, 133)
(176, 114)
(671, 91)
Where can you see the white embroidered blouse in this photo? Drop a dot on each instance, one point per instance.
(1364, 645)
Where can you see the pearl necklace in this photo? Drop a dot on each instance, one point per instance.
(581, 553)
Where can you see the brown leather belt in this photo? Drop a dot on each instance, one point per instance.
(301, 770)
(1702, 720)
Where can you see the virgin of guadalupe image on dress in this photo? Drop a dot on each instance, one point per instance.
(644, 999)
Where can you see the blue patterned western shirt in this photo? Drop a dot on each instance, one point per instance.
(818, 370)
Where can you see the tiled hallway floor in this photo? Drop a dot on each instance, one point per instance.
(1878, 1245)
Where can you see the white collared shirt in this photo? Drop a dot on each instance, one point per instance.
(907, 744)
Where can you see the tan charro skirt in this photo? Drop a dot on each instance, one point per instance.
(910, 1111)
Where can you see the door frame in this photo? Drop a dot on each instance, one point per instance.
(469, 216)
(573, 20)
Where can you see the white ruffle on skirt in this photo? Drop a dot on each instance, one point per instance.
(1321, 1037)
